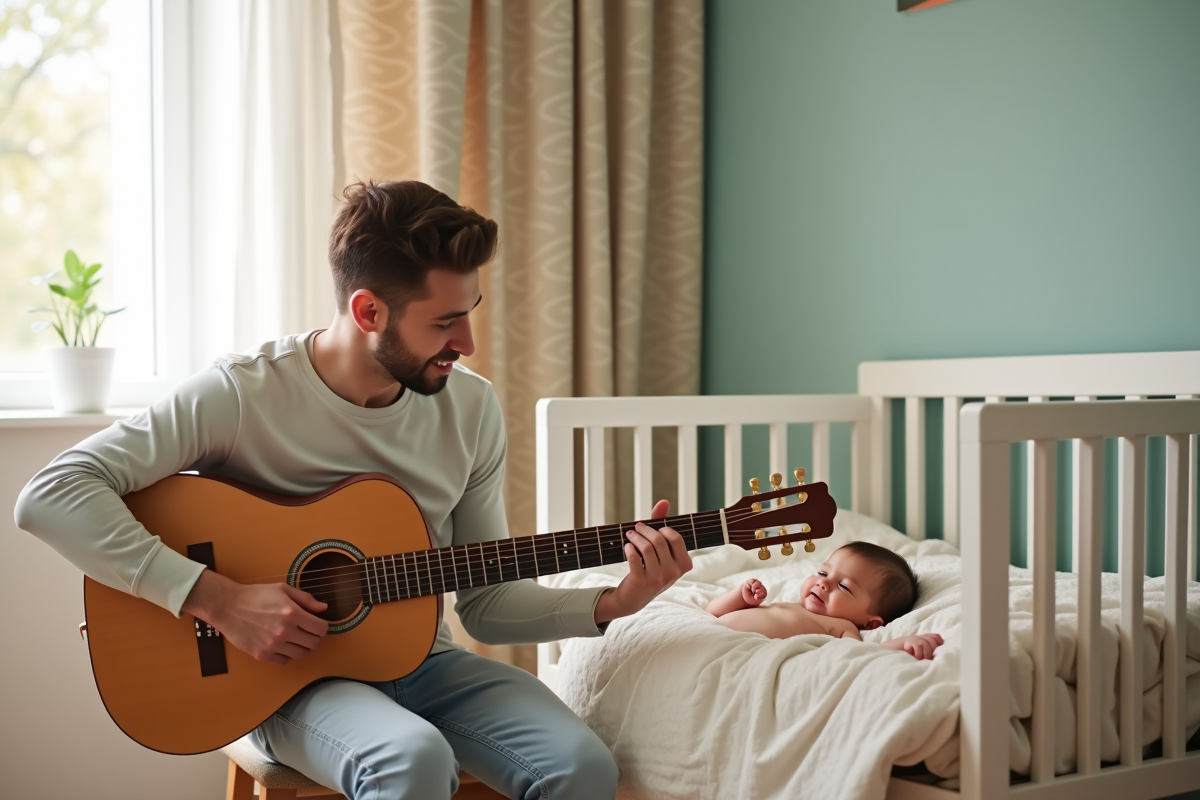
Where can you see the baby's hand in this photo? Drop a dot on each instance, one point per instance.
(753, 593)
(920, 646)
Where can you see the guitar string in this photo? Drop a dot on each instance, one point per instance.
(731, 517)
(608, 530)
(522, 550)
(387, 577)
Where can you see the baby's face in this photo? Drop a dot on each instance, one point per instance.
(843, 587)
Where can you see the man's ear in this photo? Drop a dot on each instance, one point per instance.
(368, 311)
(873, 623)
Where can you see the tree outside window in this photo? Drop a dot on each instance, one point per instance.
(55, 157)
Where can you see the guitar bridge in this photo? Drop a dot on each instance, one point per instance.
(209, 641)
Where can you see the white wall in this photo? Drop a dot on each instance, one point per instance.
(56, 740)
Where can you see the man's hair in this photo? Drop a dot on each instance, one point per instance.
(388, 235)
(898, 586)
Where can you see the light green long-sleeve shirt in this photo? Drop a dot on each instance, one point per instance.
(267, 419)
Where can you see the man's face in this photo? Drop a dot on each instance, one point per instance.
(843, 587)
(420, 348)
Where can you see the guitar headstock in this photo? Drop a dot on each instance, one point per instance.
(802, 513)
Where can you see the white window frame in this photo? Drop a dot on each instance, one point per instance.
(172, 81)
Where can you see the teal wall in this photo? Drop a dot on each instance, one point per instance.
(989, 177)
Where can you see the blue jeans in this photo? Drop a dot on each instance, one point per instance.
(407, 738)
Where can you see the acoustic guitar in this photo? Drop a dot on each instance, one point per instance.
(363, 547)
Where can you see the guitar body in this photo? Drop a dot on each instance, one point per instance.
(147, 663)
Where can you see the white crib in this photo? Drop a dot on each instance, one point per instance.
(1083, 398)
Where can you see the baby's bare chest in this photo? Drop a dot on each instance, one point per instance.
(798, 620)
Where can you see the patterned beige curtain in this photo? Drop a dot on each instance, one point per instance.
(577, 126)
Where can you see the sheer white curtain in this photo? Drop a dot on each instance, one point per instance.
(263, 171)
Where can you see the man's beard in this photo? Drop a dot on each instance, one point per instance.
(407, 367)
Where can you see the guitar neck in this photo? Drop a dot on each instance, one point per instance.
(401, 576)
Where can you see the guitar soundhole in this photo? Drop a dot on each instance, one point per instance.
(333, 577)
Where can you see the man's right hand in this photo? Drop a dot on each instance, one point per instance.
(270, 621)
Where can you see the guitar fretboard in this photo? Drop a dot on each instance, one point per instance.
(400, 576)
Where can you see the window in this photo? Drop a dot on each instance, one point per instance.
(77, 171)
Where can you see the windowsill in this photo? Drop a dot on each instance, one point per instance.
(49, 418)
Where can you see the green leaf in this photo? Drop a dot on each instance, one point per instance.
(90, 271)
(57, 289)
(73, 265)
(114, 311)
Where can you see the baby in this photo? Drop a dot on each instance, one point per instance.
(861, 587)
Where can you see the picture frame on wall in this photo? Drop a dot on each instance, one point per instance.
(917, 5)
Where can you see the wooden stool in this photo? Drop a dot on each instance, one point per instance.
(247, 766)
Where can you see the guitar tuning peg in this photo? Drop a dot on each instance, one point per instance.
(776, 481)
(799, 473)
(786, 550)
(809, 546)
(763, 552)
(754, 484)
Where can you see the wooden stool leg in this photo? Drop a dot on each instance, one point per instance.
(240, 785)
(276, 794)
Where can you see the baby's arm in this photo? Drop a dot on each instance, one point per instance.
(749, 595)
(850, 632)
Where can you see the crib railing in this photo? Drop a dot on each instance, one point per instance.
(988, 430)
(559, 418)
(1132, 376)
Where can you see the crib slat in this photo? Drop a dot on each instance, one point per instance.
(950, 409)
(555, 471)
(881, 458)
(1029, 490)
(1174, 640)
(779, 449)
(689, 491)
(643, 470)
(1075, 529)
(1131, 516)
(820, 449)
(860, 463)
(594, 488)
(1086, 492)
(1042, 558)
(1191, 500)
(985, 548)
(914, 466)
(1191, 517)
(733, 463)
(1192, 506)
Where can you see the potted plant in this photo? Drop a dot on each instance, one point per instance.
(80, 372)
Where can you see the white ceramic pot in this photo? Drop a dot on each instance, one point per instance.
(80, 378)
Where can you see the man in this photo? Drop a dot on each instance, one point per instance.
(378, 391)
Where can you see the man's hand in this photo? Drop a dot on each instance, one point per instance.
(657, 558)
(921, 646)
(272, 622)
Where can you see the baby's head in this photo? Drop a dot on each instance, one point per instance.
(863, 583)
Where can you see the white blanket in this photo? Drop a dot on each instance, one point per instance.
(694, 710)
